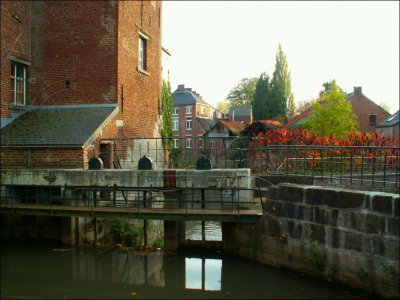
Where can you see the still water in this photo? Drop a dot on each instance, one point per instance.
(212, 230)
(42, 270)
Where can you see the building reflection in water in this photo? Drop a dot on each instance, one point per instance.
(120, 267)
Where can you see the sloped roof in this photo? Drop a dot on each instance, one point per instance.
(206, 124)
(241, 111)
(390, 121)
(56, 126)
(186, 97)
(234, 127)
(261, 126)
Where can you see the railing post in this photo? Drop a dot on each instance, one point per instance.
(373, 167)
(351, 165)
(384, 170)
(362, 168)
(203, 204)
(115, 195)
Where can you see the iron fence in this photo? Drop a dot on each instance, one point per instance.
(367, 167)
(359, 167)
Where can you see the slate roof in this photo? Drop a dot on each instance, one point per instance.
(186, 97)
(55, 126)
(241, 111)
(204, 123)
(391, 121)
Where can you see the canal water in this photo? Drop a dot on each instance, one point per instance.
(212, 230)
(44, 270)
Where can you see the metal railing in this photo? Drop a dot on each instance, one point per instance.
(223, 152)
(186, 198)
(367, 167)
(359, 167)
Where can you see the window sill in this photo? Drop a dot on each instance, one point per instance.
(143, 71)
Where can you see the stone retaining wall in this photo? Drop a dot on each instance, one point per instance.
(347, 236)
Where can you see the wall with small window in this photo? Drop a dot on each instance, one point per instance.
(15, 44)
(139, 66)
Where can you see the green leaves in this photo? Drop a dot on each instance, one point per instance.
(242, 94)
(332, 114)
(167, 132)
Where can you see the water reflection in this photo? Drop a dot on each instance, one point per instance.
(203, 274)
(31, 270)
(193, 230)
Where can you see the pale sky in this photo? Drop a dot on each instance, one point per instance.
(214, 44)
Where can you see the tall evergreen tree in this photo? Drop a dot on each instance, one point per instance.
(262, 106)
(282, 84)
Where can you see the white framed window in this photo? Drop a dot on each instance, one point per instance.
(189, 124)
(189, 110)
(18, 87)
(142, 52)
(212, 143)
(188, 142)
(175, 124)
(175, 110)
(203, 110)
(176, 143)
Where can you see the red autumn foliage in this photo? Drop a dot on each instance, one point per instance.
(302, 137)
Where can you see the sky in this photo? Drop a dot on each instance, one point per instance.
(215, 44)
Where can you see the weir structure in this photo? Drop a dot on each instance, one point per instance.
(173, 196)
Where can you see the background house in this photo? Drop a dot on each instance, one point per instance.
(244, 114)
(368, 113)
(81, 57)
(192, 117)
(389, 128)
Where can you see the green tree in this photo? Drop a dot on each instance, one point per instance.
(332, 114)
(282, 84)
(329, 87)
(242, 93)
(222, 107)
(262, 106)
(167, 103)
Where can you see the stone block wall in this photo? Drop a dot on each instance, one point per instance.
(351, 237)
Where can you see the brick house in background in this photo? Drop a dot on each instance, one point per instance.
(369, 114)
(75, 73)
(192, 117)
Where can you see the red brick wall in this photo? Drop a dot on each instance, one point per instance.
(42, 158)
(95, 46)
(15, 41)
(76, 41)
(141, 92)
(363, 107)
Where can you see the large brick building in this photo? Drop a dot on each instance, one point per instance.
(74, 73)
